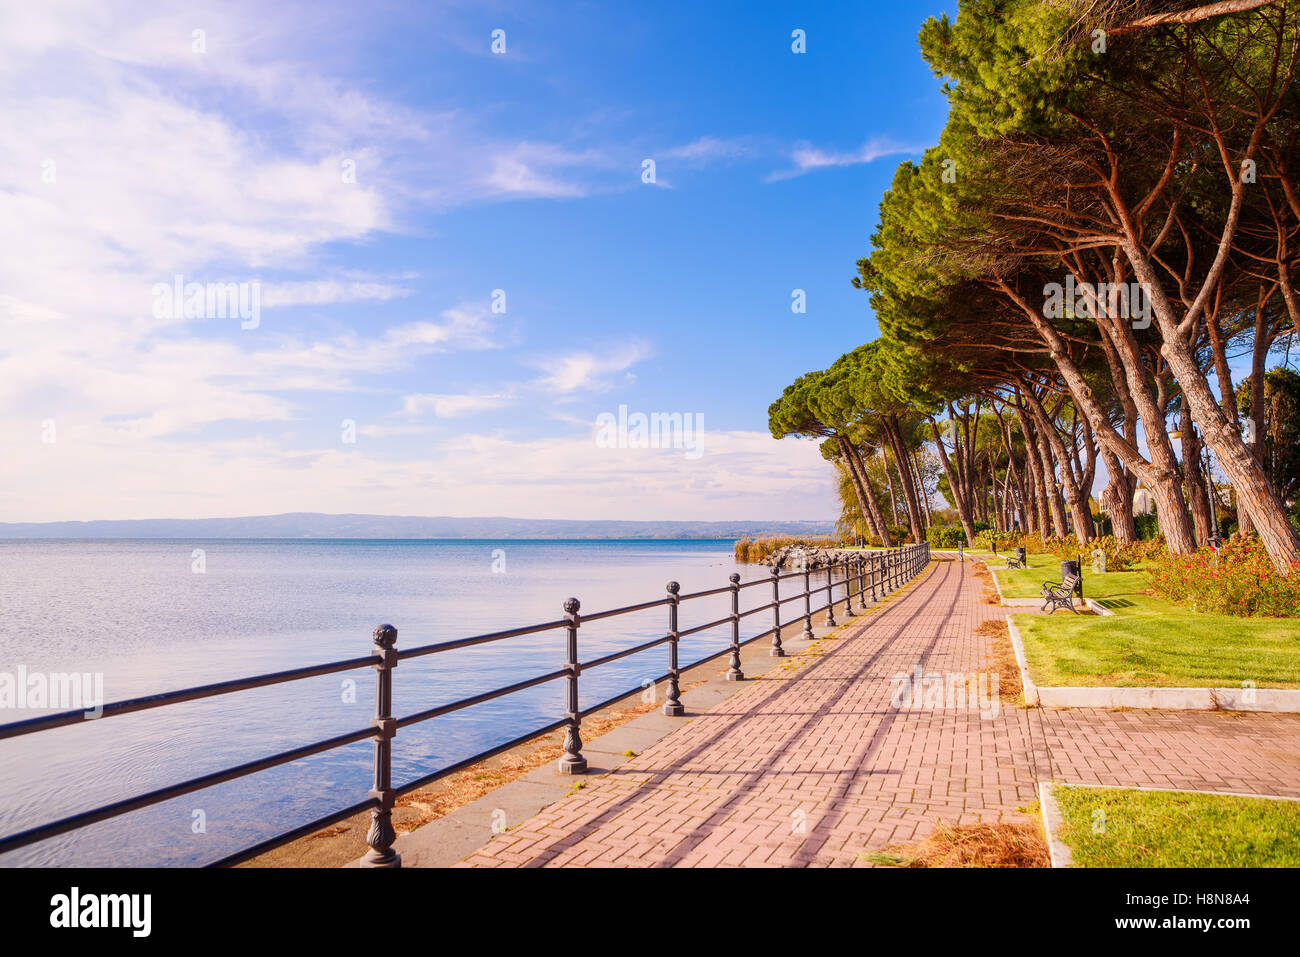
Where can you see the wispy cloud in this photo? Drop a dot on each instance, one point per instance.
(807, 158)
(589, 371)
(325, 291)
(708, 149)
(450, 406)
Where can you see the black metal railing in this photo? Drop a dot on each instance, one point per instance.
(874, 573)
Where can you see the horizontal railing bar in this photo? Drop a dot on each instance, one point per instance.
(755, 610)
(147, 702)
(756, 581)
(703, 594)
(624, 653)
(698, 628)
(473, 759)
(469, 702)
(95, 815)
(621, 695)
(455, 643)
(626, 609)
(279, 840)
(663, 677)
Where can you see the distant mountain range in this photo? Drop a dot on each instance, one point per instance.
(318, 525)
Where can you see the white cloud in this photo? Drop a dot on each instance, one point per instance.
(807, 158)
(452, 406)
(710, 149)
(588, 371)
(325, 291)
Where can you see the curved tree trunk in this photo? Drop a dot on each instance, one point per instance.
(1119, 494)
(921, 489)
(889, 477)
(1078, 505)
(1035, 466)
(1195, 480)
(856, 480)
(901, 458)
(959, 500)
(873, 504)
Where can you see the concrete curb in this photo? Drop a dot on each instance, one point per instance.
(1029, 689)
(1053, 824)
(1134, 787)
(1273, 700)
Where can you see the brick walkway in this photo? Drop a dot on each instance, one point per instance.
(811, 766)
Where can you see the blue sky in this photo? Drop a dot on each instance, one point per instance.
(218, 155)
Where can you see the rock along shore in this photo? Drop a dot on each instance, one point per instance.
(789, 556)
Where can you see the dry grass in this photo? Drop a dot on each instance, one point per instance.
(344, 842)
(1018, 844)
(1010, 688)
(990, 596)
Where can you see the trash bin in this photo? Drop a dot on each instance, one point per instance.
(1073, 568)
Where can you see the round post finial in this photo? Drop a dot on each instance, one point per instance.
(734, 578)
(673, 588)
(571, 606)
(385, 636)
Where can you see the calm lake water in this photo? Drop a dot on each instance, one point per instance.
(139, 613)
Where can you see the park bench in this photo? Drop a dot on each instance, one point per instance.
(1060, 594)
(1019, 561)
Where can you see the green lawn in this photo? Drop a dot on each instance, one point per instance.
(1118, 827)
(1149, 642)
(1027, 582)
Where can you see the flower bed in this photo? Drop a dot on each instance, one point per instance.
(1238, 579)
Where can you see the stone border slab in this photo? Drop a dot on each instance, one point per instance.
(1274, 700)
(1134, 787)
(1053, 824)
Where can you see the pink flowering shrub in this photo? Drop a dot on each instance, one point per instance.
(1239, 579)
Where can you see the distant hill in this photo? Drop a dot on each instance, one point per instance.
(318, 525)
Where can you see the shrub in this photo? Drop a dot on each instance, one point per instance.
(945, 536)
(994, 540)
(1239, 579)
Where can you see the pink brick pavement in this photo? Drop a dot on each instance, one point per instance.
(813, 766)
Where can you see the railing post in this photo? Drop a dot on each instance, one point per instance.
(848, 590)
(572, 761)
(776, 651)
(733, 666)
(381, 835)
(807, 602)
(673, 706)
(830, 594)
(874, 575)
